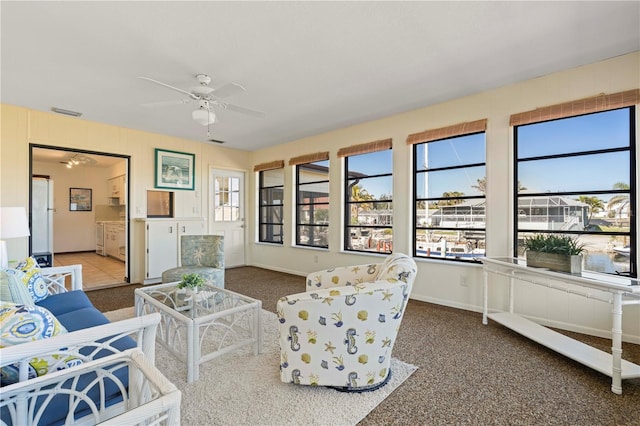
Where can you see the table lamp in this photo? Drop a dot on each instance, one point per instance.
(13, 224)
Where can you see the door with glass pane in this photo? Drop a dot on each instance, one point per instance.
(226, 213)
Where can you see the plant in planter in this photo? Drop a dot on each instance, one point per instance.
(192, 282)
(555, 252)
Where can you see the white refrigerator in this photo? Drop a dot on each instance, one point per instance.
(42, 221)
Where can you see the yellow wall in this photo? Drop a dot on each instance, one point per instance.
(22, 126)
(438, 281)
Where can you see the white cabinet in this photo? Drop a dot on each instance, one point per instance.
(116, 191)
(114, 240)
(162, 244)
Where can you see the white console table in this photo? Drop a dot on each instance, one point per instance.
(615, 290)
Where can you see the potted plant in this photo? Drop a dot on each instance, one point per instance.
(555, 252)
(192, 282)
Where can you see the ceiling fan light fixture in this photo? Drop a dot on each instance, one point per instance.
(203, 116)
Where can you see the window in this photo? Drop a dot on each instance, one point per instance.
(449, 196)
(576, 176)
(312, 204)
(369, 202)
(271, 204)
(227, 199)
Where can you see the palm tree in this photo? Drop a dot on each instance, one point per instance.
(358, 193)
(482, 186)
(620, 199)
(595, 205)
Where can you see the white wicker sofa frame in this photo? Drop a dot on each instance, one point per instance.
(144, 396)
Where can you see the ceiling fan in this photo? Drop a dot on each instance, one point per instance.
(206, 97)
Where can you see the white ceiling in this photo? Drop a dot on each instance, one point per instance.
(310, 66)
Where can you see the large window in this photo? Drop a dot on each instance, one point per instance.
(271, 204)
(369, 202)
(576, 176)
(312, 204)
(449, 197)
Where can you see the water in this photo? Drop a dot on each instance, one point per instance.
(605, 262)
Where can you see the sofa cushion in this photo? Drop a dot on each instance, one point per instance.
(63, 303)
(91, 317)
(31, 276)
(12, 289)
(22, 324)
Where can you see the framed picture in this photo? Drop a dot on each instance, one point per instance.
(80, 199)
(175, 170)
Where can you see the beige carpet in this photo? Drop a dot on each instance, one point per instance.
(244, 389)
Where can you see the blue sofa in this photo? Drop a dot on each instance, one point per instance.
(89, 337)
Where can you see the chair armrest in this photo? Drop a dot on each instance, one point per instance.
(393, 295)
(146, 394)
(92, 340)
(342, 276)
(56, 276)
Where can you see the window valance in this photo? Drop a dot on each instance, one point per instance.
(277, 164)
(448, 132)
(599, 103)
(365, 148)
(309, 158)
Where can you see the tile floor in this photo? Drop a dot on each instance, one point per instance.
(97, 271)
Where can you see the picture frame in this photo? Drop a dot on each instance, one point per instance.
(80, 200)
(174, 170)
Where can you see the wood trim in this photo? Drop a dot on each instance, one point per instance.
(365, 148)
(448, 132)
(277, 164)
(309, 158)
(599, 103)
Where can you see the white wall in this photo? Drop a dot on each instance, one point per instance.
(74, 230)
(448, 283)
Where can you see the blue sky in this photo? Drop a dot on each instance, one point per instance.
(590, 132)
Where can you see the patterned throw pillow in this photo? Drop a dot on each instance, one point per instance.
(22, 324)
(33, 279)
(12, 289)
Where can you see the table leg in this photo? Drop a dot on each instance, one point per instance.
(192, 372)
(485, 297)
(616, 343)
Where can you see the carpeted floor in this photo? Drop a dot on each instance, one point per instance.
(468, 373)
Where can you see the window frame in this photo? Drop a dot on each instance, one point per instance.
(261, 205)
(631, 149)
(347, 226)
(299, 203)
(427, 200)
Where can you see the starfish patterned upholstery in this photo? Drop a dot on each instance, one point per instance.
(341, 331)
(202, 255)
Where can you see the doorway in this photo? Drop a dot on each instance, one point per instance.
(89, 193)
(226, 213)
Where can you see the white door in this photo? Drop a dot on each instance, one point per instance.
(226, 213)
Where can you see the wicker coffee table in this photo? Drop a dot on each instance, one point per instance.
(198, 327)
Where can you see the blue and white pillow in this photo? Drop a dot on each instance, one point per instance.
(12, 289)
(28, 271)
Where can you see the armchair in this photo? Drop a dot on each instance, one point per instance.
(202, 255)
(341, 331)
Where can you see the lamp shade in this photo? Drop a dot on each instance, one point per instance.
(13, 223)
(203, 116)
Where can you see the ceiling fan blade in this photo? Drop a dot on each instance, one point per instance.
(242, 110)
(191, 95)
(166, 103)
(228, 90)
